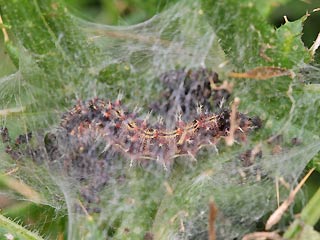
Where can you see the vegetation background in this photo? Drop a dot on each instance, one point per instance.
(127, 12)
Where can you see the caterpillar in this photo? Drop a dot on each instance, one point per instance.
(184, 90)
(93, 134)
(137, 139)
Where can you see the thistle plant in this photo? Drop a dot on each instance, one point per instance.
(216, 125)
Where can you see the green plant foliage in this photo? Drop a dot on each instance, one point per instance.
(49, 44)
(124, 12)
(302, 228)
(12, 230)
(241, 25)
(61, 58)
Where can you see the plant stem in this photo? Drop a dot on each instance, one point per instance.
(16, 230)
(310, 215)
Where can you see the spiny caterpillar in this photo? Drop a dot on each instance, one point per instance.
(184, 90)
(94, 134)
(137, 140)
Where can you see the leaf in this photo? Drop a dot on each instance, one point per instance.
(12, 230)
(309, 233)
(246, 36)
(20, 188)
(57, 60)
(289, 49)
(265, 7)
(310, 215)
(54, 55)
(47, 31)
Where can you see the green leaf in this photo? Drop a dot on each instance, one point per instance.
(290, 50)
(47, 30)
(308, 232)
(301, 228)
(54, 56)
(245, 35)
(12, 230)
(57, 60)
(265, 7)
